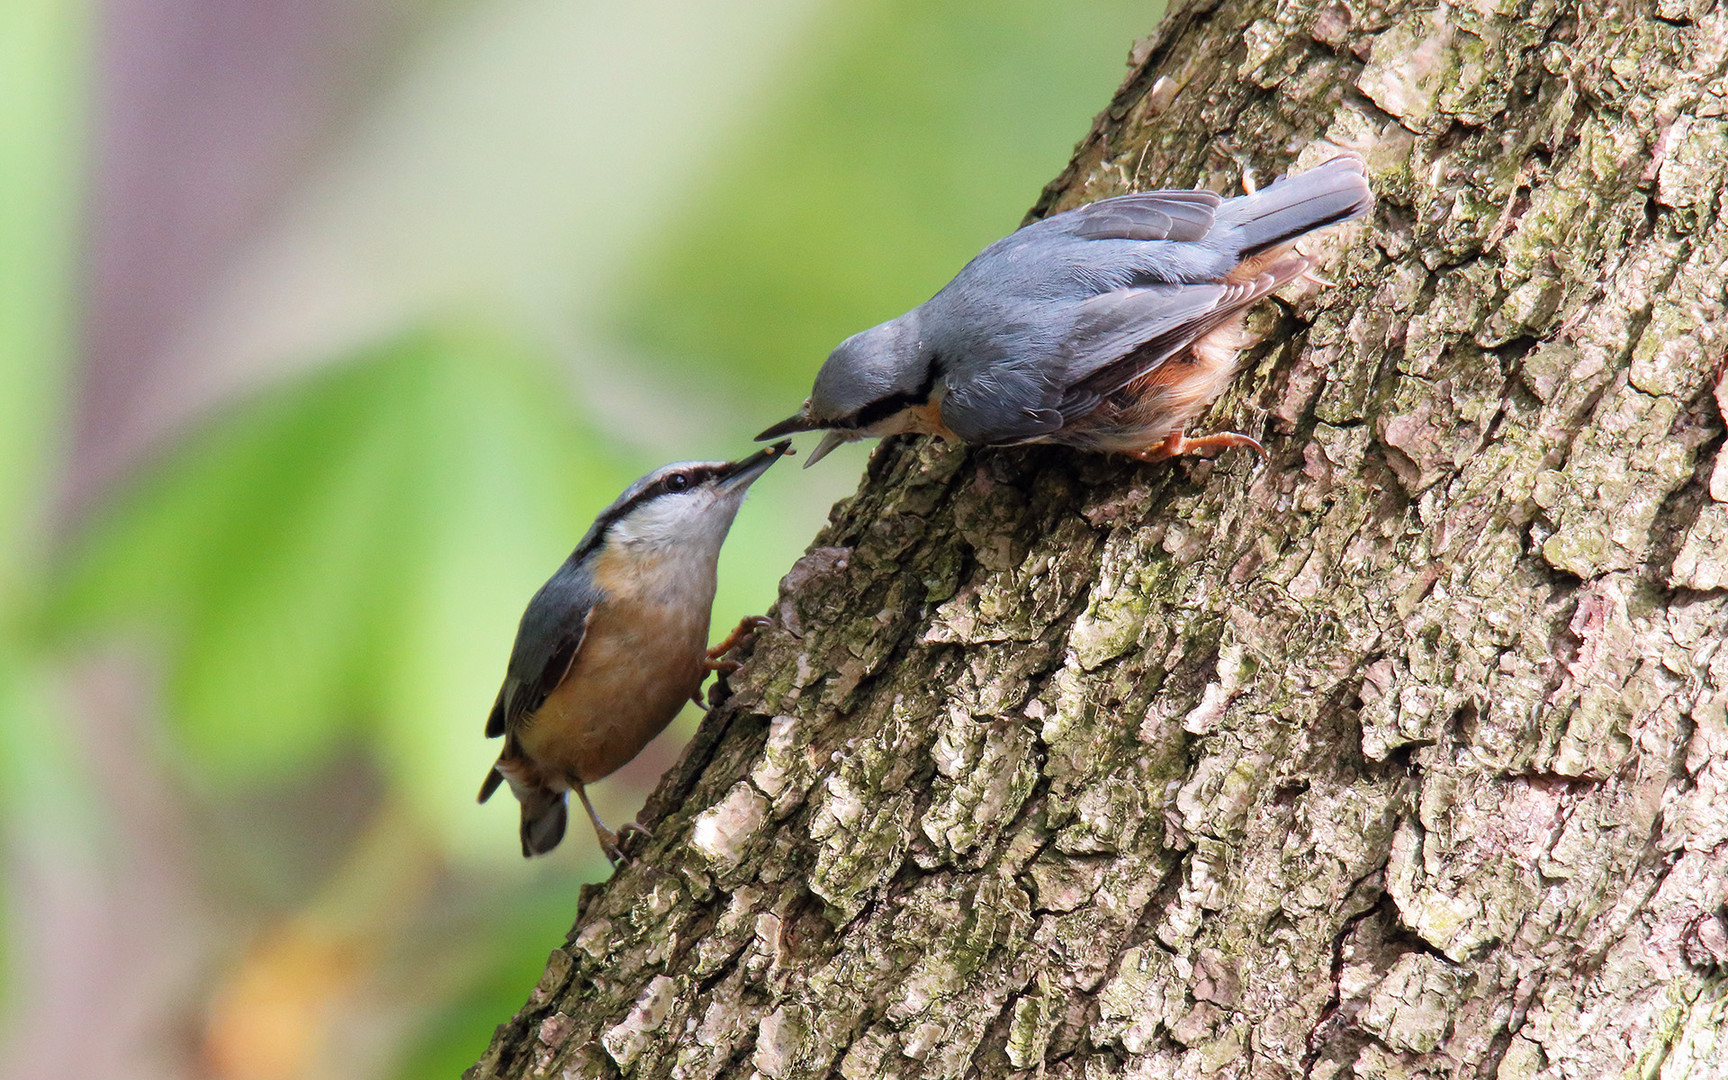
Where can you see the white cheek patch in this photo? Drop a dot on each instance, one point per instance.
(693, 521)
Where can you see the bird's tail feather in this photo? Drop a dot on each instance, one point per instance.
(1334, 191)
(544, 815)
(544, 810)
(494, 777)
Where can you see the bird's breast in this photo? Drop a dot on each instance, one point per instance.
(640, 661)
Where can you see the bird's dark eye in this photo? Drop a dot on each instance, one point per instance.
(677, 482)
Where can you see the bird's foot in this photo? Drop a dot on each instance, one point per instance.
(1177, 444)
(746, 627)
(712, 660)
(612, 843)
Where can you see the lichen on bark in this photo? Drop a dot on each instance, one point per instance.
(1402, 754)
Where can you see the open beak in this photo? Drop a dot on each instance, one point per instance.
(744, 471)
(798, 421)
(829, 442)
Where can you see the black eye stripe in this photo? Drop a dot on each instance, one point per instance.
(690, 478)
(883, 408)
(674, 483)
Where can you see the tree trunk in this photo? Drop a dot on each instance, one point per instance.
(1401, 754)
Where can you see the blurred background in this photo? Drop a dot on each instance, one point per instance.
(326, 327)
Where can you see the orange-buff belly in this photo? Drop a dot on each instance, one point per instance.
(631, 676)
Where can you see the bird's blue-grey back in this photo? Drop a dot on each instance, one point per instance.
(1156, 237)
(1061, 301)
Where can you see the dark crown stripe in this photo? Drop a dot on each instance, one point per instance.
(606, 520)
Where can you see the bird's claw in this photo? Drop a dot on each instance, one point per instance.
(612, 843)
(1179, 445)
(746, 627)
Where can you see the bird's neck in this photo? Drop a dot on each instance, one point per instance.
(926, 419)
(661, 575)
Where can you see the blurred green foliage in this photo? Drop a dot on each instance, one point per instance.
(42, 88)
(921, 133)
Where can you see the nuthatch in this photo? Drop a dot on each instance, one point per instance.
(1107, 328)
(615, 642)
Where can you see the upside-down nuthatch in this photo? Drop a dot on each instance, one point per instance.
(1107, 328)
(616, 641)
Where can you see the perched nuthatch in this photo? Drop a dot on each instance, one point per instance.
(615, 642)
(1107, 328)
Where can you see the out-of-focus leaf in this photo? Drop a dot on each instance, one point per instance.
(42, 81)
(348, 558)
(42, 54)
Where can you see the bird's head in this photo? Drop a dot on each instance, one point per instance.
(866, 388)
(688, 505)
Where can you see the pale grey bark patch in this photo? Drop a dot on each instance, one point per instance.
(1402, 755)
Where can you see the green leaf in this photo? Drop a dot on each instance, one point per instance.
(42, 58)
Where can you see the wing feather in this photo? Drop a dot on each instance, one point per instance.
(1021, 398)
(1143, 328)
(1147, 215)
(520, 698)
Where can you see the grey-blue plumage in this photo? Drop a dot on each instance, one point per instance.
(1045, 327)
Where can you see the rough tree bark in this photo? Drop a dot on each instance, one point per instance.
(1402, 754)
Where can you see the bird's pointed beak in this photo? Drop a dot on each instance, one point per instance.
(829, 442)
(744, 471)
(798, 421)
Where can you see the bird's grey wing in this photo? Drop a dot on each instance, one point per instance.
(1121, 336)
(1147, 215)
(1020, 391)
(1001, 395)
(536, 669)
